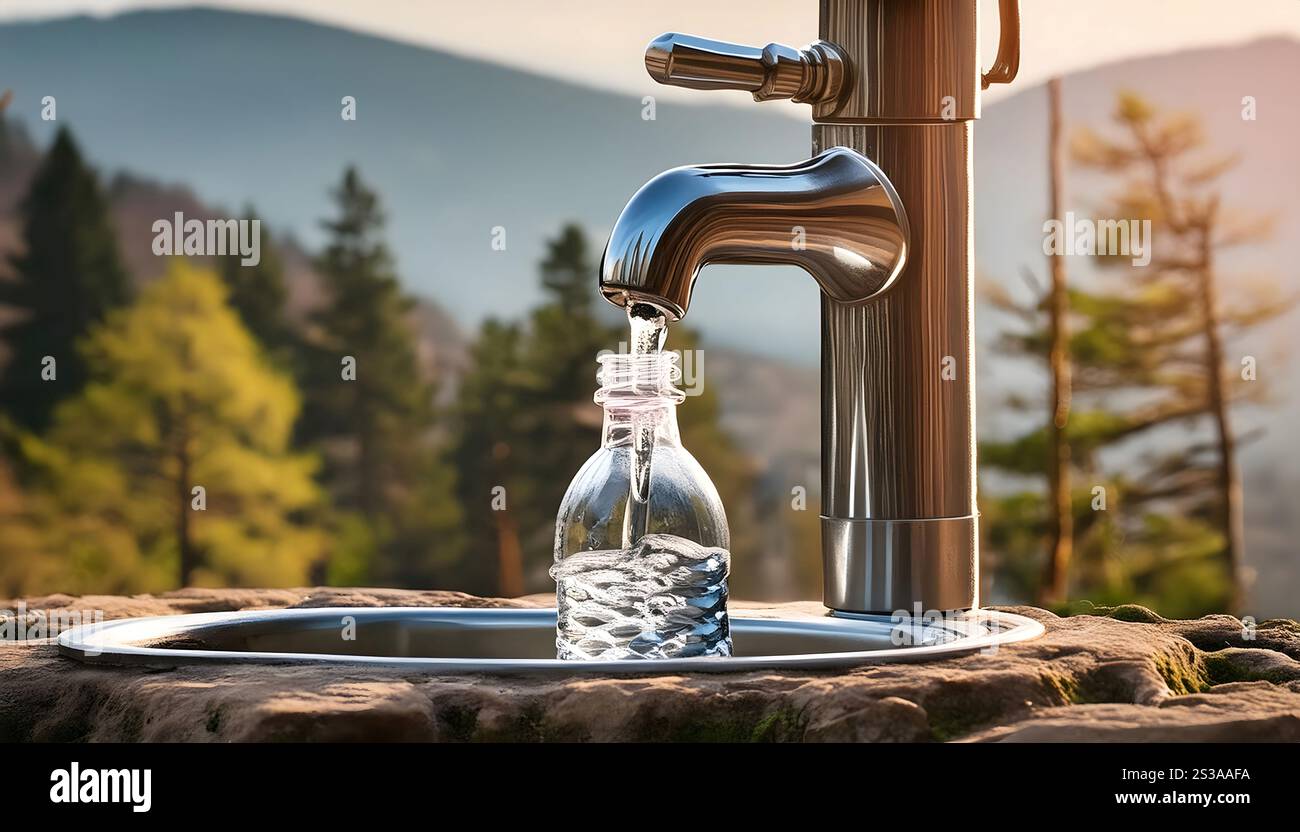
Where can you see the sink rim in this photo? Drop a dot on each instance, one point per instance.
(117, 642)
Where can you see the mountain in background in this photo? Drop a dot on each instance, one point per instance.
(241, 108)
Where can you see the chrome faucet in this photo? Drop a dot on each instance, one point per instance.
(836, 215)
(889, 243)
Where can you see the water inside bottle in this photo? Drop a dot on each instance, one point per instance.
(665, 597)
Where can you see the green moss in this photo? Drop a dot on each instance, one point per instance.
(1101, 685)
(458, 723)
(952, 723)
(528, 725)
(1223, 667)
(1222, 670)
(1079, 606)
(962, 710)
(1063, 688)
(214, 720)
(1185, 673)
(1134, 613)
(739, 723)
(1286, 625)
(733, 722)
(778, 725)
(771, 727)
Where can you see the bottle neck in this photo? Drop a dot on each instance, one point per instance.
(638, 392)
(622, 424)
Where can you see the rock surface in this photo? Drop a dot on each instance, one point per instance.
(1124, 675)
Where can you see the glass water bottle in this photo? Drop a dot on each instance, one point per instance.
(641, 542)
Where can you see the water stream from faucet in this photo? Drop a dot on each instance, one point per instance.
(649, 329)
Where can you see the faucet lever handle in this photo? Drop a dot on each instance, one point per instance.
(1007, 63)
(813, 75)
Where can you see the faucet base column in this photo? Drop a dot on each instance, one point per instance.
(883, 566)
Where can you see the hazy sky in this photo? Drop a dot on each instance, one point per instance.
(600, 41)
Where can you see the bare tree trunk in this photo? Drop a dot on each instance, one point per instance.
(369, 497)
(1055, 582)
(510, 557)
(189, 554)
(1229, 480)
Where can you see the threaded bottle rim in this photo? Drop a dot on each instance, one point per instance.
(631, 381)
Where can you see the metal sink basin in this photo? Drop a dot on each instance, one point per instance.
(459, 640)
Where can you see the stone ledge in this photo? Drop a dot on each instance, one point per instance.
(1128, 675)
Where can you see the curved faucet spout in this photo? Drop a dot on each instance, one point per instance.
(836, 215)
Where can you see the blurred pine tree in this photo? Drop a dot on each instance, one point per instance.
(69, 276)
(369, 410)
(259, 294)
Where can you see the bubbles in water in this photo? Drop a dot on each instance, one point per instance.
(649, 328)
